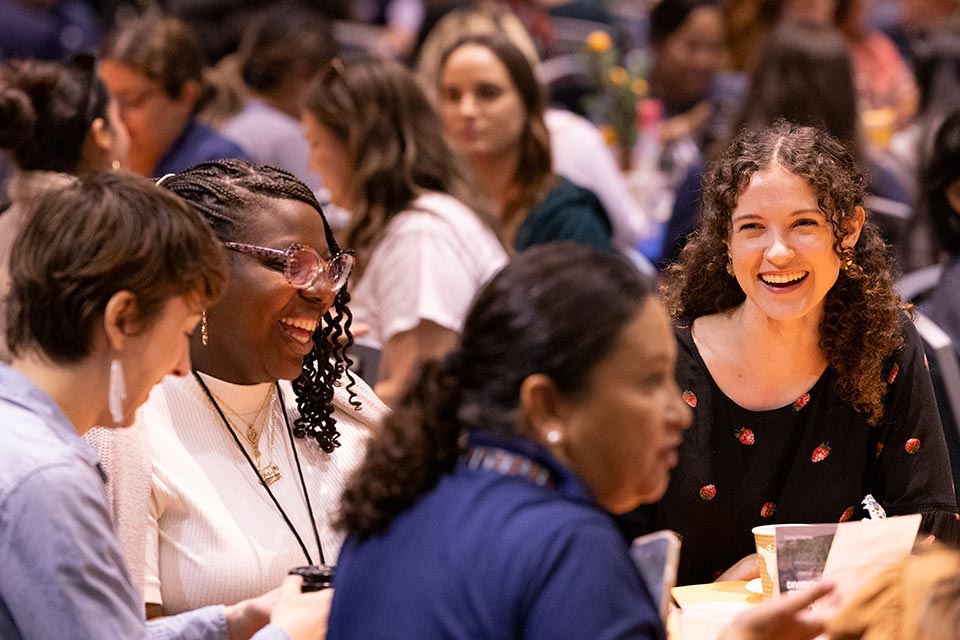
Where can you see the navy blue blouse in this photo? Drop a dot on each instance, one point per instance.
(491, 555)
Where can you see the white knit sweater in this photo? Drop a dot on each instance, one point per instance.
(204, 531)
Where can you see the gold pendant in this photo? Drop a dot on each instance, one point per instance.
(252, 436)
(270, 474)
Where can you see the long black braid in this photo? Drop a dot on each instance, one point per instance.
(224, 192)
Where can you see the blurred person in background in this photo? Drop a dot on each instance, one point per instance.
(689, 51)
(805, 76)
(492, 108)
(579, 151)
(883, 79)
(280, 51)
(56, 121)
(47, 29)
(424, 247)
(153, 66)
(940, 206)
(937, 70)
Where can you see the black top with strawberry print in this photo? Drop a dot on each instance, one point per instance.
(811, 461)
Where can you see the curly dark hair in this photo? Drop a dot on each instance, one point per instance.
(862, 320)
(527, 320)
(227, 193)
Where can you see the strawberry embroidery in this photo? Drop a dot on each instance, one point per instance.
(820, 453)
(745, 436)
(893, 373)
(708, 492)
(847, 514)
(690, 398)
(801, 402)
(912, 446)
(767, 509)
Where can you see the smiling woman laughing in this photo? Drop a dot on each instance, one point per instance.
(247, 465)
(806, 378)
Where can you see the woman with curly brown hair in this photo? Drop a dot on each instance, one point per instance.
(806, 377)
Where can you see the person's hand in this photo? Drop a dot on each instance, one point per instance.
(247, 617)
(786, 618)
(745, 569)
(302, 615)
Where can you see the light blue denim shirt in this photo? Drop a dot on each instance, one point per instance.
(61, 571)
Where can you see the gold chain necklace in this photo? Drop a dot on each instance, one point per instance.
(252, 434)
(270, 472)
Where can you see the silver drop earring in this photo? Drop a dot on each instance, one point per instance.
(118, 391)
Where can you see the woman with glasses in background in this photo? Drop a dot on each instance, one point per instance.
(56, 120)
(154, 66)
(422, 249)
(246, 465)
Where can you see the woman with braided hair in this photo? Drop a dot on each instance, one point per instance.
(247, 466)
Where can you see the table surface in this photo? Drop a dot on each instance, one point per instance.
(729, 591)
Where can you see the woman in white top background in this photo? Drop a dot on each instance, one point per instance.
(422, 249)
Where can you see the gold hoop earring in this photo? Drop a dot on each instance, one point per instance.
(115, 165)
(846, 260)
(730, 271)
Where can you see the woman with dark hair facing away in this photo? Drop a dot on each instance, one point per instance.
(492, 107)
(806, 378)
(248, 467)
(940, 184)
(423, 250)
(805, 76)
(154, 68)
(488, 490)
(281, 50)
(95, 322)
(56, 120)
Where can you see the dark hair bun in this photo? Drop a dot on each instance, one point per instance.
(17, 118)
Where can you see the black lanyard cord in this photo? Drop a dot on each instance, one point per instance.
(253, 466)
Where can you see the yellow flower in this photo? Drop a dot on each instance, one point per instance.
(618, 75)
(609, 134)
(639, 87)
(599, 41)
